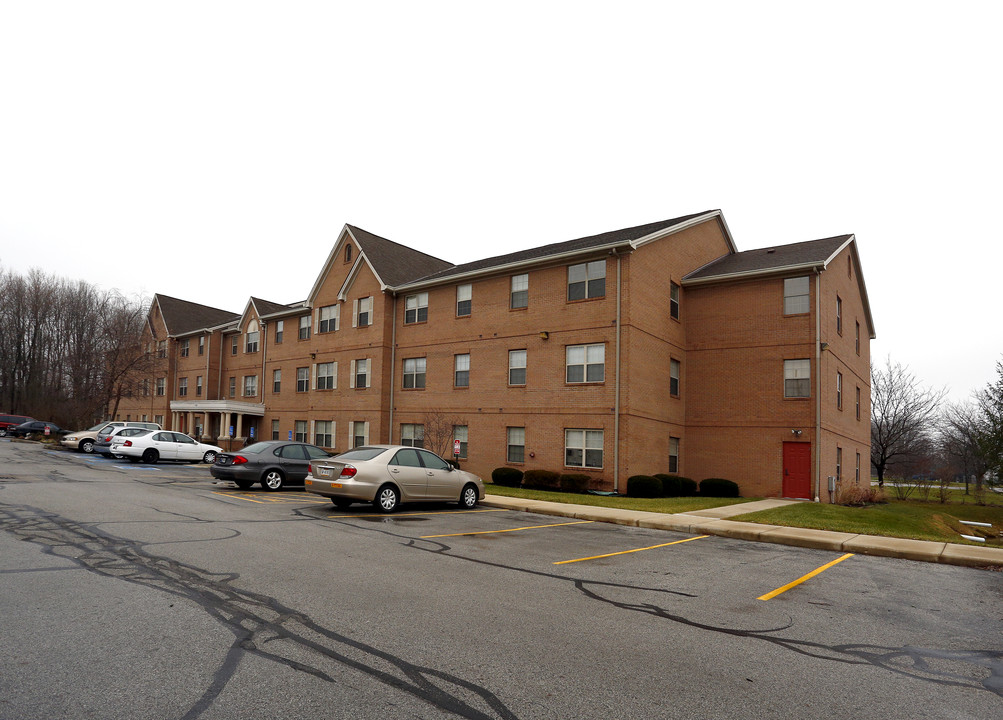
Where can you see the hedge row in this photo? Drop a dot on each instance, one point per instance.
(650, 486)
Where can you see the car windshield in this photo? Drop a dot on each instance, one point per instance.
(361, 453)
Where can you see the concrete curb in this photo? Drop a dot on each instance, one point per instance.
(921, 550)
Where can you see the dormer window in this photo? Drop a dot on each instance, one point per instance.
(348, 253)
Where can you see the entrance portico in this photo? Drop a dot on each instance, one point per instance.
(212, 419)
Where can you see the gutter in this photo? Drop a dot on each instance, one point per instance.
(818, 384)
(393, 369)
(616, 402)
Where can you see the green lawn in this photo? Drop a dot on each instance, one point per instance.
(661, 505)
(904, 519)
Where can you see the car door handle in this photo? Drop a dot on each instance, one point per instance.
(394, 470)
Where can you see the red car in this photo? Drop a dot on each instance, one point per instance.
(11, 421)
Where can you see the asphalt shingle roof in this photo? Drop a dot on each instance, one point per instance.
(773, 258)
(181, 316)
(266, 307)
(395, 264)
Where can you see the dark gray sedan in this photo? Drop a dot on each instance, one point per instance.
(273, 463)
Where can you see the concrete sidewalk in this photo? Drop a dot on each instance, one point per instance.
(713, 522)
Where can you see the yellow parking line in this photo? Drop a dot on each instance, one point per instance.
(813, 573)
(238, 497)
(492, 532)
(624, 552)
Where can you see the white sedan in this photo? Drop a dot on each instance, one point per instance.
(154, 445)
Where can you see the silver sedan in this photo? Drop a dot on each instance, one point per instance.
(388, 475)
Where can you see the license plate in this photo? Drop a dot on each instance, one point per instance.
(324, 472)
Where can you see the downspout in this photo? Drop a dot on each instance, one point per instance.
(616, 402)
(264, 350)
(818, 382)
(393, 368)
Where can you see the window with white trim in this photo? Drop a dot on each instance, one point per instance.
(323, 433)
(519, 294)
(233, 386)
(413, 435)
(461, 370)
(586, 363)
(280, 328)
(414, 373)
(796, 296)
(275, 429)
(201, 344)
(583, 448)
(304, 329)
(162, 349)
(516, 367)
(460, 434)
(277, 381)
(250, 385)
(327, 318)
(674, 300)
(251, 338)
(301, 433)
(325, 376)
(182, 387)
(198, 386)
(234, 344)
(184, 345)
(673, 454)
(839, 390)
(302, 379)
(464, 298)
(416, 308)
(363, 315)
(515, 444)
(359, 373)
(839, 315)
(675, 370)
(161, 386)
(839, 464)
(797, 378)
(358, 433)
(587, 280)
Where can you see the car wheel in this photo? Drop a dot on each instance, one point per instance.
(87, 446)
(210, 457)
(243, 484)
(387, 499)
(272, 480)
(341, 503)
(468, 498)
(150, 456)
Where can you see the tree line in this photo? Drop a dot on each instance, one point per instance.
(918, 437)
(66, 348)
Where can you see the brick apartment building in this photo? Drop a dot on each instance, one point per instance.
(658, 348)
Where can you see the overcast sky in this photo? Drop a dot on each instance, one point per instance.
(214, 150)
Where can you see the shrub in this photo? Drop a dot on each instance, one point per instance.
(718, 487)
(506, 476)
(687, 487)
(541, 480)
(858, 495)
(644, 486)
(671, 487)
(574, 482)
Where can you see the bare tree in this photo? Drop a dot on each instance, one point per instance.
(961, 440)
(902, 418)
(439, 433)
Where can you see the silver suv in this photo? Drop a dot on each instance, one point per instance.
(84, 440)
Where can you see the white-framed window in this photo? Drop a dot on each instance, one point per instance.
(586, 363)
(856, 472)
(464, 296)
(301, 432)
(323, 433)
(277, 380)
(515, 444)
(233, 386)
(839, 390)
(182, 387)
(460, 433)
(461, 370)
(583, 448)
(145, 387)
(413, 435)
(348, 253)
(414, 373)
(796, 296)
(159, 419)
(198, 386)
(250, 385)
(327, 318)
(280, 329)
(275, 430)
(516, 367)
(839, 315)
(674, 300)
(675, 370)
(519, 294)
(302, 379)
(416, 308)
(362, 315)
(304, 328)
(797, 378)
(358, 433)
(201, 344)
(673, 454)
(587, 280)
(858, 402)
(184, 345)
(839, 463)
(162, 349)
(161, 386)
(234, 344)
(251, 342)
(359, 375)
(326, 376)
(856, 341)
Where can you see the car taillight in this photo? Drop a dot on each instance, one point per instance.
(127, 443)
(239, 459)
(348, 471)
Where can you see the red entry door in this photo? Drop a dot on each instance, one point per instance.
(797, 470)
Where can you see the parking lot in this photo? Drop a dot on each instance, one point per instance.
(293, 605)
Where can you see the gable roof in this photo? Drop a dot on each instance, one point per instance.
(262, 308)
(781, 260)
(182, 316)
(632, 236)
